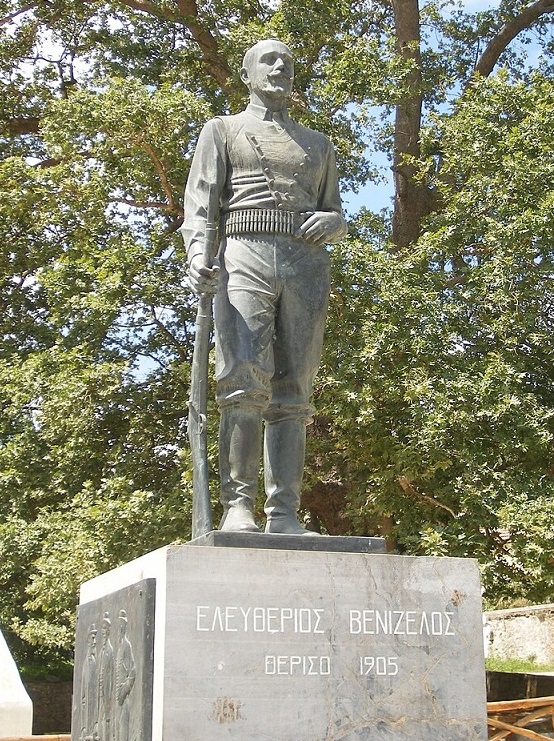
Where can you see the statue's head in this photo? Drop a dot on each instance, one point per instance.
(91, 638)
(268, 70)
(106, 625)
(122, 622)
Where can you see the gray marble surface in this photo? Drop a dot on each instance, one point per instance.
(275, 645)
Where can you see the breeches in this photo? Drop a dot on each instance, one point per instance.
(269, 312)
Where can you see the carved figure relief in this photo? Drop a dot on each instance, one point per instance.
(107, 680)
(125, 675)
(106, 683)
(89, 690)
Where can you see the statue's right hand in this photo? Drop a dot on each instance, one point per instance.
(203, 279)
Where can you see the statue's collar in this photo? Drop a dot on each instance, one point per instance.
(265, 114)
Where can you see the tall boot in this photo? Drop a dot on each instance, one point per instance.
(240, 448)
(285, 447)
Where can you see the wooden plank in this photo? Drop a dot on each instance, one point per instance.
(55, 737)
(531, 702)
(521, 722)
(518, 730)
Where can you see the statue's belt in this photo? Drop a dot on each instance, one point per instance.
(263, 220)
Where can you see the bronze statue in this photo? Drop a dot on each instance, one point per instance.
(270, 184)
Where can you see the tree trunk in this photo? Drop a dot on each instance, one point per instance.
(411, 201)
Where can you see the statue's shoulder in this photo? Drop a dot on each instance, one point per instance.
(231, 120)
(312, 136)
(227, 125)
(233, 117)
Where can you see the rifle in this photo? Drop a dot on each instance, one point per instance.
(198, 404)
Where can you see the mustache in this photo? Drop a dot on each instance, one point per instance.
(282, 75)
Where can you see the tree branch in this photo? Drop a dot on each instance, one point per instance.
(215, 63)
(188, 15)
(151, 356)
(148, 204)
(50, 162)
(508, 32)
(11, 16)
(20, 125)
(410, 489)
(172, 339)
(144, 6)
(166, 186)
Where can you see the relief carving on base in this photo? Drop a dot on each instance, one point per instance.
(107, 681)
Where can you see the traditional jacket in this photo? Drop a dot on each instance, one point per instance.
(258, 171)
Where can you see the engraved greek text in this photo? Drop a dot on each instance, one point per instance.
(233, 619)
(309, 666)
(401, 622)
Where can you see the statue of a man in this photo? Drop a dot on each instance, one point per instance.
(125, 676)
(271, 186)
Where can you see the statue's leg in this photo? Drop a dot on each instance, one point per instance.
(240, 445)
(285, 443)
(297, 345)
(244, 324)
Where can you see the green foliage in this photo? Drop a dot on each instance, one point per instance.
(439, 379)
(518, 666)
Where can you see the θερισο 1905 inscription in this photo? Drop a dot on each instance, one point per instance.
(374, 637)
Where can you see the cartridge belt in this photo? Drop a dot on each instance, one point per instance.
(260, 220)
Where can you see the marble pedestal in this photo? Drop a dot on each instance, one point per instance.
(16, 708)
(263, 644)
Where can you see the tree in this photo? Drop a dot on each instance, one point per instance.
(450, 377)
(413, 201)
(435, 408)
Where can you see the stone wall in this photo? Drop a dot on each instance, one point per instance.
(525, 633)
(51, 706)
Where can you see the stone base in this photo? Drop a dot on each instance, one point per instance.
(298, 645)
(329, 543)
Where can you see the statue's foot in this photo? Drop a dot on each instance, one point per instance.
(239, 520)
(286, 526)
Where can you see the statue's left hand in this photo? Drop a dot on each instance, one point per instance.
(321, 227)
